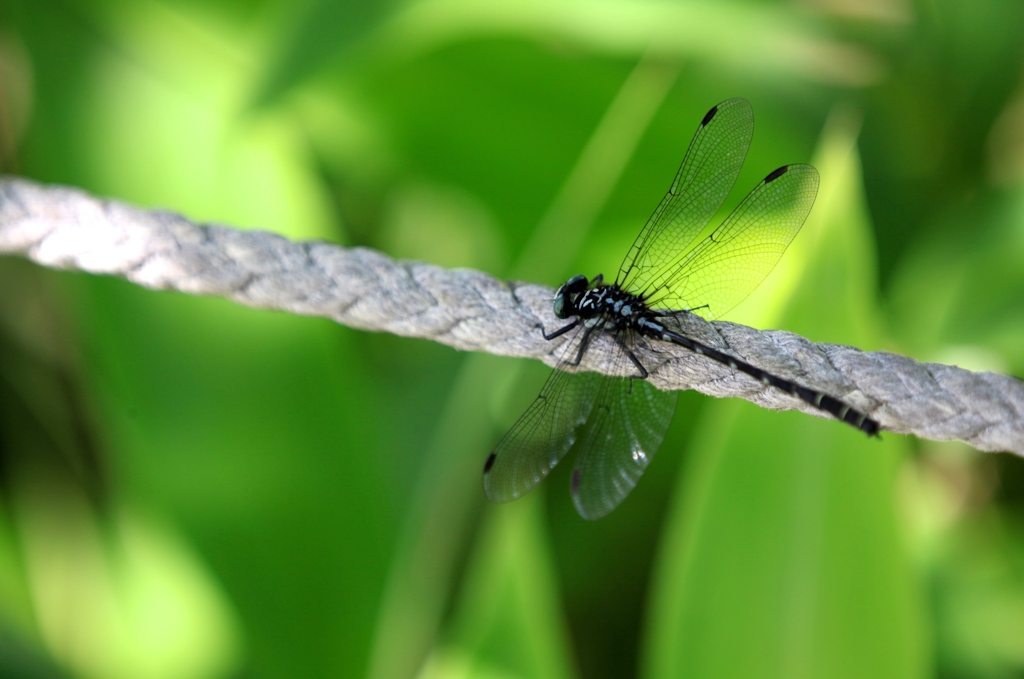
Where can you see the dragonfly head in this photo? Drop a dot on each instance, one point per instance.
(567, 296)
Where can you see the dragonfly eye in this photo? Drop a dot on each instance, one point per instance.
(576, 284)
(565, 296)
(560, 305)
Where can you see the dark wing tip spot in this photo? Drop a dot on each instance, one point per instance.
(709, 115)
(775, 174)
(490, 462)
(574, 486)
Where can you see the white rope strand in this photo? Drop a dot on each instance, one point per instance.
(66, 228)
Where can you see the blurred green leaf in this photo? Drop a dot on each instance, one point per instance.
(783, 557)
(508, 622)
(321, 32)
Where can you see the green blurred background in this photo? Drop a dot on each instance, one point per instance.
(192, 489)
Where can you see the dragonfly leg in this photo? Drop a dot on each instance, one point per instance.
(632, 357)
(560, 331)
(584, 343)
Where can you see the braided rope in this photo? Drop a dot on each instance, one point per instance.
(66, 228)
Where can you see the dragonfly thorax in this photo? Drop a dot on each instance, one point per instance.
(601, 303)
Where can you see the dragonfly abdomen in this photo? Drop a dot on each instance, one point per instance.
(820, 400)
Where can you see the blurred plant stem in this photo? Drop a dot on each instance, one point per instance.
(436, 528)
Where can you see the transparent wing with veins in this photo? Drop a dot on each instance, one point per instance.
(725, 267)
(704, 179)
(624, 431)
(546, 431)
(616, 424)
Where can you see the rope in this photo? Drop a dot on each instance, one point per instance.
(66, 228)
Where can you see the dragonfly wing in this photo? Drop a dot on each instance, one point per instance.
(624, 431)
(735, 258)
(704, 179)
(541, 437)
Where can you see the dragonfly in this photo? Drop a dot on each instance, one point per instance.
(677, 267)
